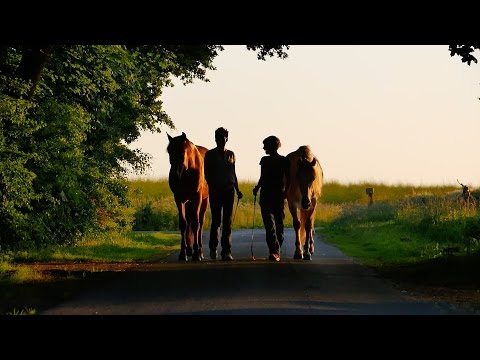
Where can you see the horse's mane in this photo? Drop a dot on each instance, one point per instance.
(195, 155)
(194, 161)
(304, 151)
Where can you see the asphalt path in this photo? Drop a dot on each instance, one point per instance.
(330, 284)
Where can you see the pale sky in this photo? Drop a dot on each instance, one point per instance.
(393, 114)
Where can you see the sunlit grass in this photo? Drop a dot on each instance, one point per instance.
(405, 231)
(132, 246)
(25, 273)
(156, 210)
(336, 193)
(378, 244)
(5, 266)
(24, 311)
(429, 217)
(12, 273)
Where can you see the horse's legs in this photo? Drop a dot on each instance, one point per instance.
(296, 226)
(201, 219)
(312, 241)
(190, 214)
(196, 253)
(308, 246)
(195, 223)
(182, 224)
(309, 220)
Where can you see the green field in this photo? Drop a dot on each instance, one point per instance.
(405, 225)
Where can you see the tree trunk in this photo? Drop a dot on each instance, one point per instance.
(31, 66)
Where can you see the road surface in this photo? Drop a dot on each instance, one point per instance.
(330, 284)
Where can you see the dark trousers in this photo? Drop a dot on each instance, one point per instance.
(273, 215)
(218, 202)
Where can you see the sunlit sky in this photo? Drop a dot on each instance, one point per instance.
(385, 114)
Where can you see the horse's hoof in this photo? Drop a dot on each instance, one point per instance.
(307, 256)
(189, 251)
(182, 257)
(197, 257)
(297, 256)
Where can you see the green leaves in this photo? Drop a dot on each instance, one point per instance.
(69, 139)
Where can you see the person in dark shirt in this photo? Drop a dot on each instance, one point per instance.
(274, 169)
(222, 182)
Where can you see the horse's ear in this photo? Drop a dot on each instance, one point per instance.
(184, 137)
(169, 137)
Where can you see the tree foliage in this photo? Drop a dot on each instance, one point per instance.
(67, 115)
(465, 52)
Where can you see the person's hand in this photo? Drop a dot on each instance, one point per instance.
(255, 191)
(239, 194)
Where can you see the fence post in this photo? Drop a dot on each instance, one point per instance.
(370, 192)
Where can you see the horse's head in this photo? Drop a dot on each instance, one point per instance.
(305, 177)
(176, 149)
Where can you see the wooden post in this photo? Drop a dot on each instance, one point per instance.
(370, 192)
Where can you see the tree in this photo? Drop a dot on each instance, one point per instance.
(67, 114)
(465, 52)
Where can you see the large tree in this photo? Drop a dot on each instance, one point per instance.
(67, 115)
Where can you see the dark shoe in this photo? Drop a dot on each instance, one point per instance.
(227, 257)
(274, 257)
(213, 254)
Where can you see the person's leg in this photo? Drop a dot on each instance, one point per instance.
(270, 233)
(216, 212)
(279, 217)
(228, 198)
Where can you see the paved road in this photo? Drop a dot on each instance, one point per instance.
(330, 284)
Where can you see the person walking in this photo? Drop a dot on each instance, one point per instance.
(274, 183)
(222, 183)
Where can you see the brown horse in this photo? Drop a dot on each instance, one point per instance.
(190, 190)
(306, 182)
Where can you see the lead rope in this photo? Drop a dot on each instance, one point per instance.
(235, 212)
(253, 225)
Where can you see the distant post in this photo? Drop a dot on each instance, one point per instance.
(369, 192)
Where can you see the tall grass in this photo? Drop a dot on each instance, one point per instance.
(407, 230)
(405, 223)
(336, 193)
(155, 208)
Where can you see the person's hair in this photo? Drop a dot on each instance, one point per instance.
(221, 132)
(272, 142)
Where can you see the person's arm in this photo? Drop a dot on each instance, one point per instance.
(239, 193)
(260, 181)
(206, 167)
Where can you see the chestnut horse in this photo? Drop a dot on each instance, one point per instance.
(306, 182)
(190, 190)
